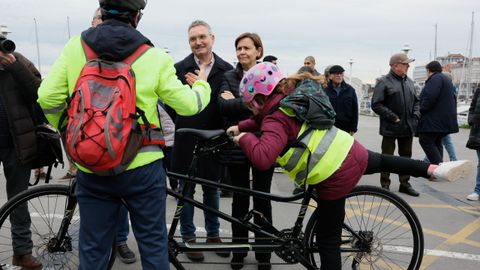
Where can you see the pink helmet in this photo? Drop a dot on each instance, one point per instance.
(260, 79)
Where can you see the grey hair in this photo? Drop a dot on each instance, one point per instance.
(200, 23)
(310, 58)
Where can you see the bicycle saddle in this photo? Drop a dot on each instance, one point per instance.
(202, 133)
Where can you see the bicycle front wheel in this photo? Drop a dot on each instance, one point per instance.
(46, 205)
(381, 231)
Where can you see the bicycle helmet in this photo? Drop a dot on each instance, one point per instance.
(260, 79)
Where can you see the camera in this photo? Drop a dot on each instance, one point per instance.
(6, 45)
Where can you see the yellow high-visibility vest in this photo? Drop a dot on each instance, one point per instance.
(325, 152)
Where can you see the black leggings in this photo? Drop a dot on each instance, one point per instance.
(330, 214)
(394, 164)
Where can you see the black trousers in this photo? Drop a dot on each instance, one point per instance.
(262, 181)
(404, 150)
(330, 216)
(395, 164)
(432, 146)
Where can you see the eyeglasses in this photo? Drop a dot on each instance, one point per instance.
(307, 63)
(200, 38)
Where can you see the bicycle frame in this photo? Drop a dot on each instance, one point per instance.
(278, 243)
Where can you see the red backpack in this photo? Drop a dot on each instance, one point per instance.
(103, 133)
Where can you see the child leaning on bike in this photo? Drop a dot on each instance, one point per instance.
(331, 159)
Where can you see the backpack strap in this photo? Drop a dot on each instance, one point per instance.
(89, 53)
(136, 54)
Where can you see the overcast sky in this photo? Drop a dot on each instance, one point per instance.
(333, 32)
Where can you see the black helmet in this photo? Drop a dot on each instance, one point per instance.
(131, 5)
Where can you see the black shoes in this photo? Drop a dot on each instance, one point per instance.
(407, 189)
(237, 262)
(194, 256)
(224, 254)
(385, 187)
(264, 265)
(125, 254)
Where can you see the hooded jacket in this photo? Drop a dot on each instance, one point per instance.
(154, 72)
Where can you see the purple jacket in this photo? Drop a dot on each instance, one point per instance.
(278, 130)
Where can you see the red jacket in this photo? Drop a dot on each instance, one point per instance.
(277, 130)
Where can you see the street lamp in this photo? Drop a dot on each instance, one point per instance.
(350, 62)
(406, 48)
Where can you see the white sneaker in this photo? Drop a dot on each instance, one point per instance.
(454, 170)
(473, 197)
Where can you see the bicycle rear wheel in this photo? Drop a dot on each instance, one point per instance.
(381, 231)
(47, 207)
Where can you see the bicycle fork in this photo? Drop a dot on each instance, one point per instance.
(62, 242)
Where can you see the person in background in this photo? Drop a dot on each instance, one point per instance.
(249, 48)
(474, 139)
(201, 41)
(344, 100)
(270, 58)
(168, 128)
(142, 185)
(310, 62)
(19, 81)
(395, 101)
(438, 108)
(335, 172)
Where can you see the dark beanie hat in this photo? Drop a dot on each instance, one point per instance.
(269, 58)
(336, 69)
(131, 5)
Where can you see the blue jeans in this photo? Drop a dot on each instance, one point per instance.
(211, 198)
(122, 226)
(447, 143)
(143, 189)
(477, 185)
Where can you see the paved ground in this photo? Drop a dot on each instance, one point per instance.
(450, 223)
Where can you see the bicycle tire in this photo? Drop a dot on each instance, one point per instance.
(46, 206)
(396, 237)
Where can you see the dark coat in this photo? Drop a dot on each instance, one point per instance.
(395, 98)
(19, 83)
(438, 106)
(233, 110)
(474, 121)
(345, 105)
(209, 118)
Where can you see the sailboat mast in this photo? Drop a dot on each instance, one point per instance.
(38, 48)
(68, 26)
(470, 63)
(435, 48)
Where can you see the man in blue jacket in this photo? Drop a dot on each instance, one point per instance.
(343, 99)
(438, 108)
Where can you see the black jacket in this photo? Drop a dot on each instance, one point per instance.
(395, 98)
(345, 105)
(233, 110)
(19, 83)
(438, 106)
(209, 118)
